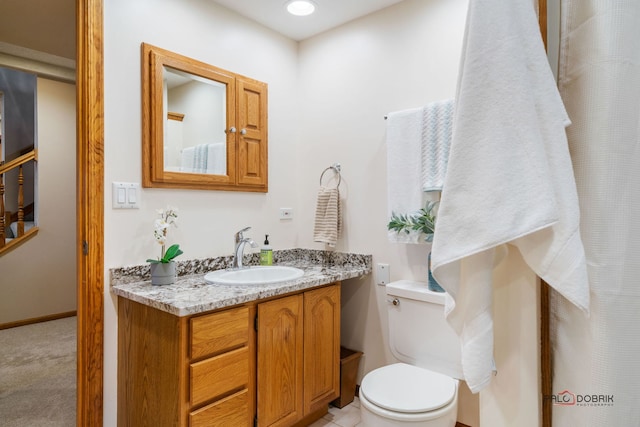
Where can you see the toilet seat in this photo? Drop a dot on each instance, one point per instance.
(404, 388)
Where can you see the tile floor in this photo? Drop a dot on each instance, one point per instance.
(349, 416)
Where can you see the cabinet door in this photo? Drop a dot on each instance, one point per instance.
(321, 347)
(252, 140)
(280, 359)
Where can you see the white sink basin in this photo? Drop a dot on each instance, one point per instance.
(255, 275)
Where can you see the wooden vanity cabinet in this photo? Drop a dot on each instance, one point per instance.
(298, 357)
(185, 371)
(221, 369)
(214, 369)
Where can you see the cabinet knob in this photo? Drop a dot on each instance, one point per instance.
(395, 301)
(232, 130)
(243, 132)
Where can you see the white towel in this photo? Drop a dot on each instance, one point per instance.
(200, 158)
(509, 177)
(187, 157)
(328, 222)
(436, 141)
(404, 168)
(217, 159)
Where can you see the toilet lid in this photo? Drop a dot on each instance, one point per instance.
(409, 389)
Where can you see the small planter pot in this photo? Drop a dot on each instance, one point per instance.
(163, 273)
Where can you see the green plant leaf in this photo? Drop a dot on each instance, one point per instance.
(172, 252)
(154, 261)
(424, 221)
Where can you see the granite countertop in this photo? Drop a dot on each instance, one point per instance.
(191, 295)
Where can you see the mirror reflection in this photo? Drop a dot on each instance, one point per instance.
(18, 155)
(195, 112)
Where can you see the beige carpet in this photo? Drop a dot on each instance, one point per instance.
(38, 375)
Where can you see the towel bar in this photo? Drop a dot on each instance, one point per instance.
(336, 169)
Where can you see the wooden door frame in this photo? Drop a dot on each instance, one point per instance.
(546, 360)
(90, 211)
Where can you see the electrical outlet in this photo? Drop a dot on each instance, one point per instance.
(286, 213)
(382, 274)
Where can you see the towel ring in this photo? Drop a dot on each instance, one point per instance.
(336, 170)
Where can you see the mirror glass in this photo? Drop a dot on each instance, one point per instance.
(195, 123)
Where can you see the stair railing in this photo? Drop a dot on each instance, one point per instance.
(6, 217)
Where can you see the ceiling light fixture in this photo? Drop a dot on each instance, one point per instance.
(301, 7)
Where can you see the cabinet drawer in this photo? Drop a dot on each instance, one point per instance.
(218, 332)
(218, 375)
(230, 411)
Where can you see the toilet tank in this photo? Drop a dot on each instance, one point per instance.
(419, 333)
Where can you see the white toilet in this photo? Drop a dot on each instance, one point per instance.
(422, 390)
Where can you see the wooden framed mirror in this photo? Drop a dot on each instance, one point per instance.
(203, 127)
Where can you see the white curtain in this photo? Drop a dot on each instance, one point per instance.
(597, 359)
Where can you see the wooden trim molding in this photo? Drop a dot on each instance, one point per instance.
(546, 361)
(546, 355)
(542, 20)
(90, 214)
(35, 320)
(175, 116)
(17, 241)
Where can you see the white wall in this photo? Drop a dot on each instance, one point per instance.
(49, 288)
(202, 30)
(350, 78)
(328, 97)
(403, 57)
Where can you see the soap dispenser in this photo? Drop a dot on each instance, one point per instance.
(266, 254)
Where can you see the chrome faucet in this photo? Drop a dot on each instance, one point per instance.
(240, 241)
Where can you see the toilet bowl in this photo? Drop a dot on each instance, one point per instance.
(421, 390)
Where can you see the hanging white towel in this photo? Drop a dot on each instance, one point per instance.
(328, 222)
(217, 158)
(404, 168)
(509, 177)
(187, 158)
(436, 141)
(200, 158)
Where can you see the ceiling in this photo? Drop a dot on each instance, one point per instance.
(31, 23)
(328, 14)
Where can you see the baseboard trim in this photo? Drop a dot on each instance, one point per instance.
(38, 320)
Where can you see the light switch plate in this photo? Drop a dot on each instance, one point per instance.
(126, 195)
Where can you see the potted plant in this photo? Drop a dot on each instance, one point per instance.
(424, 222)
(163, 269)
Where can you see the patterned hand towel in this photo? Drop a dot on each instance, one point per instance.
(436, 140)
(328, 223)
